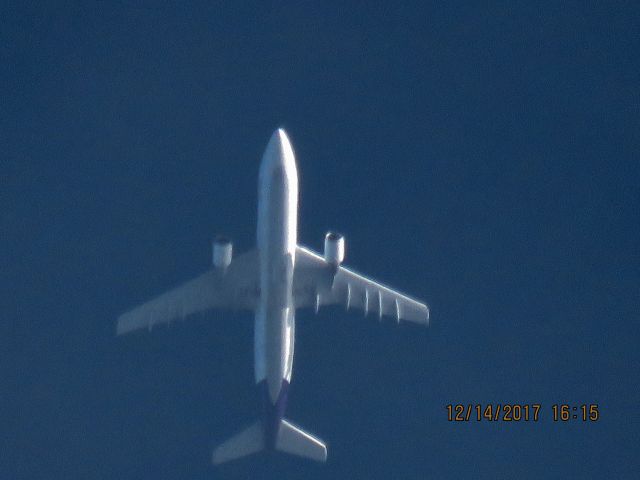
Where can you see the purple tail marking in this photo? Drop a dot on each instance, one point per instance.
(273, 413)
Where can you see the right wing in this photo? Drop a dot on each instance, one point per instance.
(317, 283)
(236, 288)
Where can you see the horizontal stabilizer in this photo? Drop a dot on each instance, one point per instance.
(296, 441)
(248, 441)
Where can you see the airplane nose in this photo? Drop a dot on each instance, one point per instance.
(281, 136)
(278, 149)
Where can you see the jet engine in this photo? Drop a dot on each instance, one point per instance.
(334, 248)
(222, 252)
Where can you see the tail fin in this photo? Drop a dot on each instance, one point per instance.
(295, 441)
(248, 441)
(290, 439)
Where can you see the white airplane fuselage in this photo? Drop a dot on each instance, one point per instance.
(276, 242)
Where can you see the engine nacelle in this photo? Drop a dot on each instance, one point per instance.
(334, 248)
(222, 252)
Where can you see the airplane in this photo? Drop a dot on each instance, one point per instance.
(273, 280)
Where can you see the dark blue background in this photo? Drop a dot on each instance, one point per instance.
(482, 158)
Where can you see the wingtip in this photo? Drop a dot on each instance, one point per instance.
(216, 459)
(323, 457)
(121, 326)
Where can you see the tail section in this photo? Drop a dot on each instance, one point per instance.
(295, 441)
(248, 441)
(290, 439)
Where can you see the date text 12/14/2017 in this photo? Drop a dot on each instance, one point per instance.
(515, 412)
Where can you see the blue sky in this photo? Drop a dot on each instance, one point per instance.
(483, 158)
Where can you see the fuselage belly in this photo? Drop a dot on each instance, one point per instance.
(277, 237)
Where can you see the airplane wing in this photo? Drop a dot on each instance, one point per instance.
(314, 284)
(236, 288)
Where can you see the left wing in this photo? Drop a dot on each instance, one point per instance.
(235, 288)
(317, 283)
